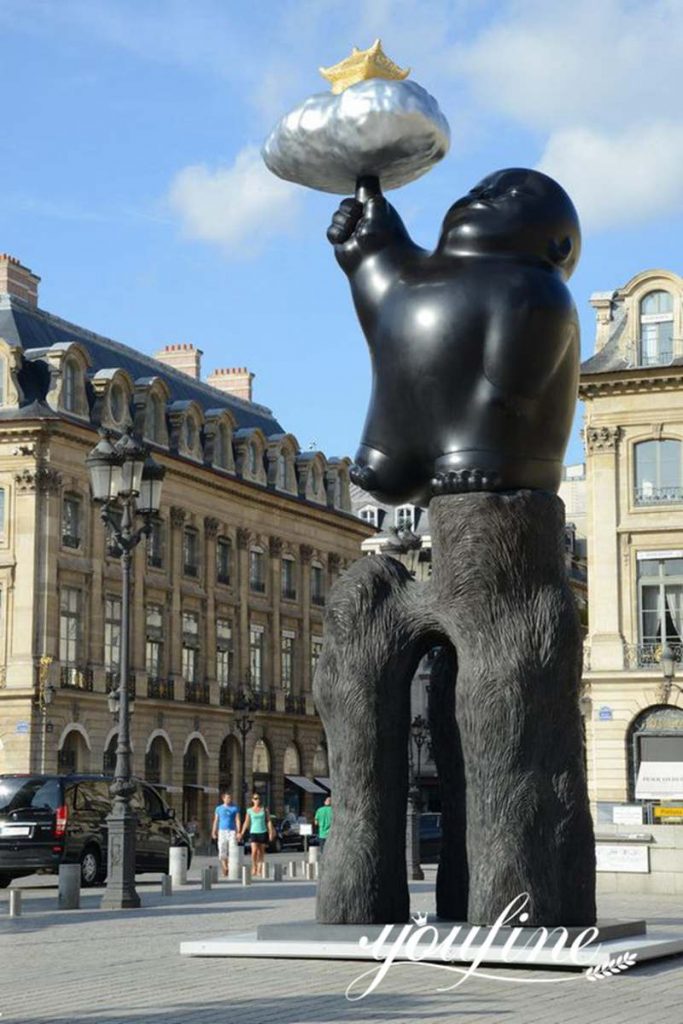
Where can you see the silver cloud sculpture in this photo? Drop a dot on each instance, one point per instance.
(392, 130)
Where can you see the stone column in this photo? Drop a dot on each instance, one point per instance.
(177, 520)
(602, 485)
(211, 527)
(306, 553)
(275, 549)
(242, 661)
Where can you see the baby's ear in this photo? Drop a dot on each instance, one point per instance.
(560, 252)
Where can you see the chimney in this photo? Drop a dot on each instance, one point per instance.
(236, 380)
(184, 357)
(17, 280)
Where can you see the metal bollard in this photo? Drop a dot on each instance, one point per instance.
(15, 903)
(313, 854)
(177, 864)
(166, 885)
(308, 868)
(69, 887)
(214, 873)
(316, 870)
(292, 869)
(246, 874)
(207, 877)
(277, 872)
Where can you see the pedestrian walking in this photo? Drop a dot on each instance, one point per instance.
(323, 821)
(226, 825)
(257, 822)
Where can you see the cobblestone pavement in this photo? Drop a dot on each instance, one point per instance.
(114, 967)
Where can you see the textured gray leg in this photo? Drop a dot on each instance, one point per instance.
(452, 879)
(362, 694)
(501, 593)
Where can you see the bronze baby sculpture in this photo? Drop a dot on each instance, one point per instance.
(474, 347)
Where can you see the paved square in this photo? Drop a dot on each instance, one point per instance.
(89, 965)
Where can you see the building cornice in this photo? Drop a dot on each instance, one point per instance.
(630, 382)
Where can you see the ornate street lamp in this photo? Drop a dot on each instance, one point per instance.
(419, 730)
(243, 702)
(667, 660)
(124, 473)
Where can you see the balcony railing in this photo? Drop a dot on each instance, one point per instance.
(70, 540)
(223, 577)
(658, 495)
(160, 688)
(155, 561)
(295, 704)
(649, 655)
(318, 600)
(76, 677)
(197, 693)
(258, 586)
(111, 681)
(289, 593)
(191, 569)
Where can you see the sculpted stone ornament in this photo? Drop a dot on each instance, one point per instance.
(475, 364)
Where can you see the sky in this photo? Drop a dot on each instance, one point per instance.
(132, 183)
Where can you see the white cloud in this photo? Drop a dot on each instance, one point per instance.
(619, 178)
(239, 207)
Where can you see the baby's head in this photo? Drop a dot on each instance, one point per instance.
(515, 212)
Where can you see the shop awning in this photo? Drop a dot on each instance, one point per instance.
(302, 782)
(323, 780)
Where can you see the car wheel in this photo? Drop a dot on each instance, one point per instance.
(91, 865)
(5, 881)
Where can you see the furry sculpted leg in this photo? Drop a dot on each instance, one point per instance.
(362, 694)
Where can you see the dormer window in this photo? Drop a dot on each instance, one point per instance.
(369, 514)
(405, 517)
(3, 374)
(190, 433)
(281, 476)
(116, 402)
(656, 329)
(70, 389)
(154, 419)
(221, 455)
(252, 460)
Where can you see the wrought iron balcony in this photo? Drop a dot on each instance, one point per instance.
(318, 600)
(648, 655)
(111, 681)
(289, 593)
(160, 688)
(258, 586)
(155, 561)
(191, 569)
(295, 704)
(658, 495)
(70, 540)
(197, 693)
(76, 677)
(223, 577)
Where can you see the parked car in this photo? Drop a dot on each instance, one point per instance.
(286, 837)
(48, 820)
(430, 837)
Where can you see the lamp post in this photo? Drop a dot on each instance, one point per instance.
(668, 662)
(243, 724)
(123, 473)
(419, 729)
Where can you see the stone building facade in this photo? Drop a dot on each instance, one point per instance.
(632, 388)
(228, 592)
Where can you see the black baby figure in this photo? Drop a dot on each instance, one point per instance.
(474, 347)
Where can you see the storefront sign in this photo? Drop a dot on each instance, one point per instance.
(642, 555)
(622, 857)
(628, 814)
(668, 812)
(660, 780)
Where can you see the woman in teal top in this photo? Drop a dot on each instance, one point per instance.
(257, 823)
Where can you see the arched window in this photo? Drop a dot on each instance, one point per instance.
(190, 433)
(655, 736)
(70, 387)
(658, 472)
(116, 402)
(656, 328)
(281, 476)
(252, 460)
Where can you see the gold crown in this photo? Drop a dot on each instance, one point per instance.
(361, 65)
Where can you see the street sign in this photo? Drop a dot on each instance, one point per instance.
(605, 714)
(21, 728)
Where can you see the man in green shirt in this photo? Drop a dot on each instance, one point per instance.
(323, 821)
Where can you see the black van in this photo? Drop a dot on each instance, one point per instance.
(48, 820)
